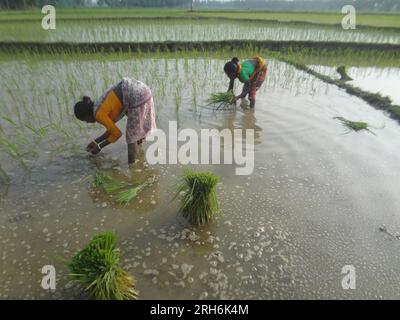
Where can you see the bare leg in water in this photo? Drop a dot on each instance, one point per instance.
(131, 152)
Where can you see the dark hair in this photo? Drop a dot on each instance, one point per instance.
(84, 108)
(230, 67)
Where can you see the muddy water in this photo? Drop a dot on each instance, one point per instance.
(313, 204)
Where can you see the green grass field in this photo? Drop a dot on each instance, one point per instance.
(365, 19)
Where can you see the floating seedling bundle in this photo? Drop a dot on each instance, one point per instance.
(221, 100)
(198, 200)
(96, 268)
(354, 125)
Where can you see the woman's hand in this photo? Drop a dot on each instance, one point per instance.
(93, 148)
(90, 146)
(234, 99)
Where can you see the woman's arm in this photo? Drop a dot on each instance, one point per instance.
(102, 137)
(231, 84)
(111, 135)
(245, 90)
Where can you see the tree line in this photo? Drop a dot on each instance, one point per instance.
(28, 4)
(302, 5)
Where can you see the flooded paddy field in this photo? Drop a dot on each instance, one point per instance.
(313, 204)
(382, 80)
(186, 29)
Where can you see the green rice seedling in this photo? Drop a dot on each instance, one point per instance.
(113, 186)
(354, 125)
(40, 132)
(8, 120)
(221, 99)
(178, 98)
(4, 176)
(100, 179)
(96, 268)
(123, 197)
(198, 200)
(194, 93)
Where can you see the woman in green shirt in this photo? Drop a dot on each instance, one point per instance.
(251, 73)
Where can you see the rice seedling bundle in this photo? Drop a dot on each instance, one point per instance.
(198, 200)
(113, 186)
(221, 99)
(96, 268)
(354, 125)
(123, 197)
(100, 179)
(123, 192)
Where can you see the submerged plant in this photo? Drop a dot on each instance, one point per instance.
(96, 268)
(198, 200)
(354, 125)
(221, 99)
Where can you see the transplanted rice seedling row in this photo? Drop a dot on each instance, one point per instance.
(187, 30)
(363, 19)
(347, 57)
(40, 119)
(36, 114)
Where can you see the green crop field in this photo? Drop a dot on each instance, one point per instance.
(364, 19)
(185, 29)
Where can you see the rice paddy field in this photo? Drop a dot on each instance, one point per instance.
(364, 19)
(315, 202)
(382, 80)
(150, 30)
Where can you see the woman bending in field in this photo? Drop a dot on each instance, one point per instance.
(128, 97)
(251, 72)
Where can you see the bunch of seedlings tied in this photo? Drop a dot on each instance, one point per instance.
(354, 125)
(96, 268)
(221, 100)
(198, 200)
(122, 191)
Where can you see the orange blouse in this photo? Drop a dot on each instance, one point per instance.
(108, 113)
